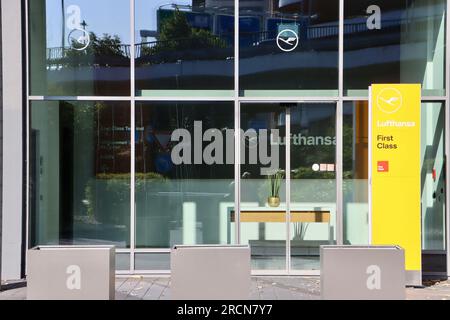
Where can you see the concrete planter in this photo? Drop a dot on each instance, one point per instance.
(210, 272)
(71, 273)
(362, 272)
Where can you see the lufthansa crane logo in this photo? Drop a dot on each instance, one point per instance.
(287, 40)
(79, 39)
(389, 100)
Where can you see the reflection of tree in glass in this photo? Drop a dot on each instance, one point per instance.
(177, 35)
(105, 50)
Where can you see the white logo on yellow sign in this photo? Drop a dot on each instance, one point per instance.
(389, 100)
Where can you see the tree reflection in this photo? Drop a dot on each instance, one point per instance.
(106, 50)
(179, 37)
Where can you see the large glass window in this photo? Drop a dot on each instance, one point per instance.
(394, 41)
(185, 48)
(80, 173)
(184, 173)
(288, 48)
(79, 47)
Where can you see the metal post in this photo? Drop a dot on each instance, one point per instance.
(288, 188)
(447, 137)
(132, 137)
(339, 133)
(237, 129)
(63, 25)
(1, 147)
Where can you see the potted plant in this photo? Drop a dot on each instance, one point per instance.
(275, 184)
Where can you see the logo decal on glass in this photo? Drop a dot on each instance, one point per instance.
(287, 40)
(79, 39)
(257, 142)
(389, 100)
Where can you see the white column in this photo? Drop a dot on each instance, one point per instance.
(189, 223)
(12, 206)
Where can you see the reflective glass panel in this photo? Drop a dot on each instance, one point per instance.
(79, 47)
(152, 261)
(184, 173)
(185, 48)
(80, 173)
(288, 48)
(433, 176)
(394, 41)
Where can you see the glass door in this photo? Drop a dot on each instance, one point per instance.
(263, 184)
(312, 182)
(287, 185)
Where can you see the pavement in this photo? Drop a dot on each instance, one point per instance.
(263, 288)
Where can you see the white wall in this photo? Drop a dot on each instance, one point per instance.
(12, 139)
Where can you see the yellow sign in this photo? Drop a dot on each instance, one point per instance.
(395, 169)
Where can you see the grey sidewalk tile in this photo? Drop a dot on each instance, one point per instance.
(283, 294)
(166, 295)
(120, 281)
(140, 290)
(129, 285)
(120, 296)
(266, 291)
(154, 292)
(162, 281)
(255, 296)
(14, 294)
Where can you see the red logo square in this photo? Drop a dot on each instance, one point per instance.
(383, 166)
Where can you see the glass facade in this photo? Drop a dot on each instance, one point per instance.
(139, 110)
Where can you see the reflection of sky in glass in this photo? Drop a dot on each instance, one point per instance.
(146, 13)
(102, 16)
